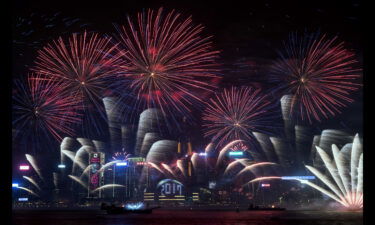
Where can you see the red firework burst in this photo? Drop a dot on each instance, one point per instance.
(236, 113)
(319, 73)
(167, 63)
(240, 147)
(82, 65)
(39, 107)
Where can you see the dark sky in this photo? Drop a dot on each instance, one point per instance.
(248, 33)
(234, 23)
(245, 33)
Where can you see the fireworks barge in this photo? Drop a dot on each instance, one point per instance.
(138, 208)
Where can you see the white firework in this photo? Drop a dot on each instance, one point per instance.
(346, 170)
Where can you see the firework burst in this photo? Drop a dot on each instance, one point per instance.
(166, 62)
(236, 113)
(121, 155)
(346, 170)
(240, 147)
(40, 110)
(83, 66)
(319, 73)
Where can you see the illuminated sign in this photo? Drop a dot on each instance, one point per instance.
(24, 167)
(14, 184)
(195, 196)
(61, 166)
(141, 163)
(122, 164)
(96, 159)
(266, 185)
(23, 199)
(236, 153)
(136, 159)
(170, 190)
(148, 196)
(202, 154)
(298, 177)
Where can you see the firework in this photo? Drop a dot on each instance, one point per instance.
(243, 162)
(156, 167)
(346, 170)
(224, 169)
(122, 155)
(240, 147)
(28, 190)
(31, 180)
(83, 65)
(253, 166)
(169, 169)
(236, 113)
(166, 62)
(319, 73)
(107, 186)
(78, 180)
(41, 112)
(225, 150)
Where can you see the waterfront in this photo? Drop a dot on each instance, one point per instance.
(162, 216)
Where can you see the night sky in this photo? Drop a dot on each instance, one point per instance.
(248, 35)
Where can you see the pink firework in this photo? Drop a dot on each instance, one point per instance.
(39, 107)
(319, 73)
(83, 65)
(236, 113)
(167, 63)
(240, 147)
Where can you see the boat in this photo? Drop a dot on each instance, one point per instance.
(251, 208)
(127, 208)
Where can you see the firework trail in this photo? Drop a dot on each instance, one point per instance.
(31, 180)
(236, 113)
(108, 186)
(243, 162)
(40, 112)
(156, 167)
(169, 169)
(71, 156)
(78, 180)
(79, 158)
(28, 190)
(35, 165)
(84, 66)
(263, 178)
(85, 172)
(253, 166)
(180, 166)
(209, 148)
(320, 74)
(166, 63)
